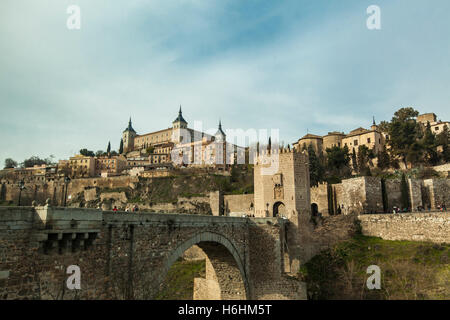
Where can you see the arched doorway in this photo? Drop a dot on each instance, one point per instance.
(279, 209)
(314, 209)
(225, 276)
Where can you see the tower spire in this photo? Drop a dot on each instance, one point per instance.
(130, 127)
(220, 131)
(373, 120)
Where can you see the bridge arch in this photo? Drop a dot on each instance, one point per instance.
(226, 276)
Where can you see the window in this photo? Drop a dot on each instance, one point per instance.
(355, 142)
(368, 140)
(436, 128)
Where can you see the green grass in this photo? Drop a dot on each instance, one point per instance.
(191, 195)
(409, 270)
(179, 283)
(7, 204)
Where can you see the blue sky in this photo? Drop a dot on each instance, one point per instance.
(290, 65)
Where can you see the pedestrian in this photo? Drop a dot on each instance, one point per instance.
(115, 209)
(136, 208)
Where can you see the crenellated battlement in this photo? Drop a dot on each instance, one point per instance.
(266, 157)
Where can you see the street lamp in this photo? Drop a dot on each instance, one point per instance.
(21, 185)
(66, 181)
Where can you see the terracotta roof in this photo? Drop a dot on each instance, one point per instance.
(310, 136)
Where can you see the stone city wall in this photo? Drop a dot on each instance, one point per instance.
(319, 196)
(54, 189)
(364, 195)
(239, 203)
(432, 227)
(444, 169)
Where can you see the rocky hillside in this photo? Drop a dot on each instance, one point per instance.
(186, 191)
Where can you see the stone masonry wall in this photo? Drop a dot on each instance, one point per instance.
(239, 203)
(54, 189)
(374, 200)
(319, 196)
(352, 195)
(433, 227)
(394, 194)
(436, 192)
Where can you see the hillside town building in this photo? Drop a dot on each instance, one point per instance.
(372, 138)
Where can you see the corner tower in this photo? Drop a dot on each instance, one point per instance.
(128, 136)
(220, 145)
(179, 122)
(179, 129)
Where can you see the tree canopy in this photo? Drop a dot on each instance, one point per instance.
(10, 163)
(87, 153)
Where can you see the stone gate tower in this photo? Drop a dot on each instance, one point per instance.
(281, 182)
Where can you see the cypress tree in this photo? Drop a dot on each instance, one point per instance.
(404, 192)
(383, 159)
(315, 168)
(384, 195)
(121, 146)
(330, 200)
(354, 161)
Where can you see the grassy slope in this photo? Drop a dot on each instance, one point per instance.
(179, 283)
(409, 270)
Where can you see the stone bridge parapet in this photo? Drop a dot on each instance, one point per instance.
(125, 255)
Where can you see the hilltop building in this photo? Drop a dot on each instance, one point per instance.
(180, 145)
(372, 138)
(437, 126)
(309, 139)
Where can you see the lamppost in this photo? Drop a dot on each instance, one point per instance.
(66, 181)
(21, 185)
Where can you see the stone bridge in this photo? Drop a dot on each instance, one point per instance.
(127, 255)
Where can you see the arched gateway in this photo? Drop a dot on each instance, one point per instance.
(279, 209)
